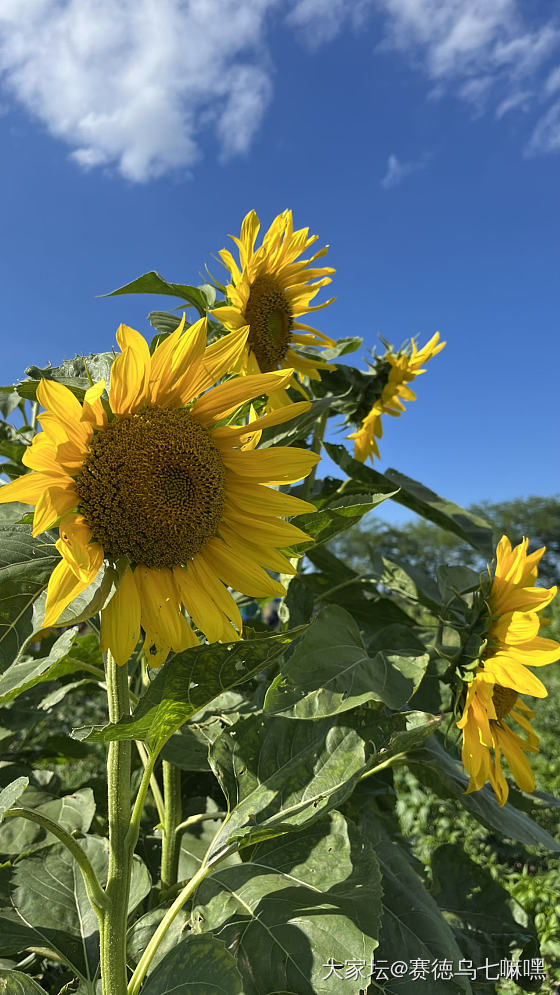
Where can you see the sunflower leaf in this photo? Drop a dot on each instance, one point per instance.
(66, 923)
(10, 794)
(331, 670)
(419, 499)
(436, 768)
(26, 564)
(295, 904)
(413, 926)
(340, 514)
(17, 983)
(197, 963)
(187, 683)
(153, 283)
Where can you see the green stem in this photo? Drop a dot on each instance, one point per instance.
(94, 891)
(156, 793)
(171, 843)
(146, 958)
(193, 820)
(396, 759)
(113, 929)
(317, 442)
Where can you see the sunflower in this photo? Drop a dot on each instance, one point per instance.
(270, 289)
(493, 696)
(155, 480)
(404, 367)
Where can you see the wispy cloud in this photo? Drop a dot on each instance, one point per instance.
(136, 83)
(140, 84)
(397, 171)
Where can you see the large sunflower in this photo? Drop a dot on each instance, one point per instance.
(404, 367)
(270, 289)
(492, 697)
(163, 486)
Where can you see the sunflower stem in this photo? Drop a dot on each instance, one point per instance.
(171, 841)
(149, 953)
(316, 444)
(113, 927)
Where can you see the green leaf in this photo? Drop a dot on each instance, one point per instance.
(187, 683)
(25, 567)
(331, 671)
(280, 774)
(436, 768)
(478, 905)
(9, 400)
(141, 932)
(341, 513)
(188, 749)
(419, 499)
(413, 927)
(10, 794)
(198, 964)
(12, 513)
(16, 983)
(153, 283)
(72, 373)
(296, 903)
(52, 908)
(73, 812)
(24, 674)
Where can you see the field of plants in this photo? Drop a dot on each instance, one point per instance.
(253, 742)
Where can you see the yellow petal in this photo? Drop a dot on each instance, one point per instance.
(281, 465)
(202, 609)
(59, 400)
(231, 433)
(129, 381)
(63, 587)
(264, 500)
(210, 583)
(120, 620)
(515, 627)
(161, 373)
(504, 670)
(54, 502)
(225, 398)
(240, 572)
(29, 487)
(93, 411)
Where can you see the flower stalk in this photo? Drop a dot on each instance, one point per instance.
(113, 926)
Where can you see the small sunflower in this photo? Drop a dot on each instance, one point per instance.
(493, 695)
(270, 289)
(405, 366)
(157, 478)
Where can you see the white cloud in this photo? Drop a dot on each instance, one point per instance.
(319, 21)
(517, 101)
(397, 171)
(546, 136)
(141, 85)
(552, 84)
(135, 82)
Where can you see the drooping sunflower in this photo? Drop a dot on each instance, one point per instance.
(156, 481)
(493, 696)
(405, 366)
(270, 289)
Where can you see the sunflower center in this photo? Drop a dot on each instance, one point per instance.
(504, 699)
(152, 488)
(270, 318)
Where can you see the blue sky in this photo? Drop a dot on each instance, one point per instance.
(420, 138)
